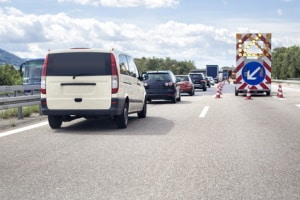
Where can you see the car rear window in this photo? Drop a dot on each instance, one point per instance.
(158, 77)
(79, 64)
(182, 78)
(196, 76)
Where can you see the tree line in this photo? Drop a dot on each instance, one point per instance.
(285, 64)
(9, 75)
(152, 64)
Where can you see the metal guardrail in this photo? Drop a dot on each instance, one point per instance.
(293, 82)
(18, 96)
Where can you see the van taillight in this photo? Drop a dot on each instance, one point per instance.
(43, 77)
(114, 75)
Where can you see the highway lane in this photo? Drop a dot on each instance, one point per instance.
(237, 149)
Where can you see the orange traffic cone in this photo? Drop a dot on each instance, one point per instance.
(220, 89)
(218, 93)
(248, 94)
(279, 93)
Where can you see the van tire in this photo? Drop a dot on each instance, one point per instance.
(54, 121)
(122, 120)
(143, 113)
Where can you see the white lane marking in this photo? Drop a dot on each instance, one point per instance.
(298, 105)
(23, 129)
(203, 112)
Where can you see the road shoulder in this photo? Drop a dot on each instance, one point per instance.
(14, 122)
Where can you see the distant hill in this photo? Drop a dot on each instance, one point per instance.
(9, 58)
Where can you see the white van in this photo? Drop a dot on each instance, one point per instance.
(91, 83)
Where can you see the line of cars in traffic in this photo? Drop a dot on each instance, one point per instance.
(164, 85)
(93, 83)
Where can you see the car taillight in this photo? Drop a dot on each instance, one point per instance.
(114, 75)
(169, 84)
(43, 77)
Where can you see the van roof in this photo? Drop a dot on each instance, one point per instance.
(81, 49)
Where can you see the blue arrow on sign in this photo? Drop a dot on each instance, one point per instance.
(253, 73)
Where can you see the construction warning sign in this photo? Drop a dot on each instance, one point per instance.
(253, 62)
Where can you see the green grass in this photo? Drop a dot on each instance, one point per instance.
(13, 112)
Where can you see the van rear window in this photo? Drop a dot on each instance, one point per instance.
(79, 64)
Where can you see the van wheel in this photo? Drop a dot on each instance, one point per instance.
(54, 121)
(122, 120)
(143, 113)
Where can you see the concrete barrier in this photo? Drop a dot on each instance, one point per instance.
(290, 83)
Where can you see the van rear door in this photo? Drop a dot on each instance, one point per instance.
(78, 80)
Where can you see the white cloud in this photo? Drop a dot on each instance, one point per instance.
(127, 3)
(279, 12)
(32, 36)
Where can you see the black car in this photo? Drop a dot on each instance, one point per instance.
(199, 81)
(161, 85)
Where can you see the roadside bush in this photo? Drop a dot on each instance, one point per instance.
(13, 112)
(6, 114)
(9, 75)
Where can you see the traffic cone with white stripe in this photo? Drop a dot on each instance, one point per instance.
(248, 94)
(279, 93)
(218, 94)
(219, 88)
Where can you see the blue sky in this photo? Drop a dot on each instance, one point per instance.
(200, 31)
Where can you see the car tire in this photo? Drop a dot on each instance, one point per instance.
(179, 98)
(143, 113)
(192, 93)
(122, 120)
(174, 99)
(55, 122)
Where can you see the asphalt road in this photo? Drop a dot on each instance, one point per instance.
(200, 148)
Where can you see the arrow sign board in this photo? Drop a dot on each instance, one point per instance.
(253, 73)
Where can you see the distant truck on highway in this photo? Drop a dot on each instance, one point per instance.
(213, 71)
